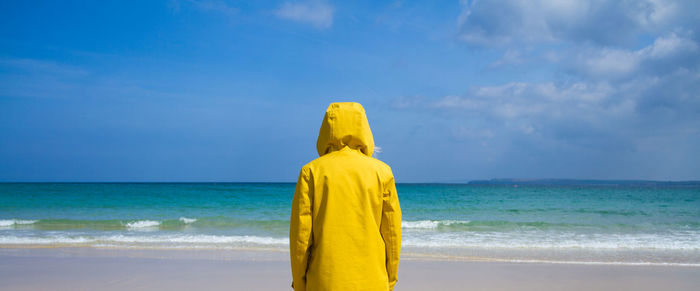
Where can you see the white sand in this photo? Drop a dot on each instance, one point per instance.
(119, 269)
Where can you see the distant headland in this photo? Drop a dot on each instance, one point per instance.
(576, 182)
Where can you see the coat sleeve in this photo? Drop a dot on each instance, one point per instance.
(391, 231)
(300, 235)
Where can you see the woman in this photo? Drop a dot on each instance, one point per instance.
(345, 229)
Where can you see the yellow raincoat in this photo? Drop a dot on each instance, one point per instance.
(345, 229)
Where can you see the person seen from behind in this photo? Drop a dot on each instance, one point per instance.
(345, 230)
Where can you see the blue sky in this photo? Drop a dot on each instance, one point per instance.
(454, 90)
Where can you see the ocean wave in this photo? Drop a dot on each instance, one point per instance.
(143, 224)
(431, 224)
(508, 226)
(635, 250)
(58, 239)
(220, 223)
(186, 220)
(197, 239)
(163, 240)
(12, 222)
(526, 240)
(555, 240)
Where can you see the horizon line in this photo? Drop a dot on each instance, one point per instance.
(491, 181)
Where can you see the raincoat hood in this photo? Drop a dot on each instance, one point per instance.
(345, 124)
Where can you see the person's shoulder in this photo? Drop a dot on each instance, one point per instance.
(315, 164)
(380, 165)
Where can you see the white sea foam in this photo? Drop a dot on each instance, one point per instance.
(193, 241)
(666, 248)
(196, 239)
(429, 224)
(420, 224)
(687, 241)
(437, 240)
(163, 240)
(11, 222)
(186, 220)
(143, 224)
(20, 221)
(58, 239)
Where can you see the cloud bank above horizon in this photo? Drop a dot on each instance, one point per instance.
(621, 96)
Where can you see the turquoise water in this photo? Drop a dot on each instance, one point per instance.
(585, 224)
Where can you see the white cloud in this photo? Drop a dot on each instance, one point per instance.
(316, 13)
(601, 22)
(510, 57)
(669, 46)
(525, 102)
(671, 51)
(605, 63)
(596, 115)
(603, 88)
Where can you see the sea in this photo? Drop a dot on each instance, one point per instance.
(578, 224)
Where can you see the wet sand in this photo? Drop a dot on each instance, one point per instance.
(139, 269)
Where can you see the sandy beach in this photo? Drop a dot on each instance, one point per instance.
(151, 269)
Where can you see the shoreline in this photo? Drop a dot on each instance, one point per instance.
(405, 256)
(61, 268)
